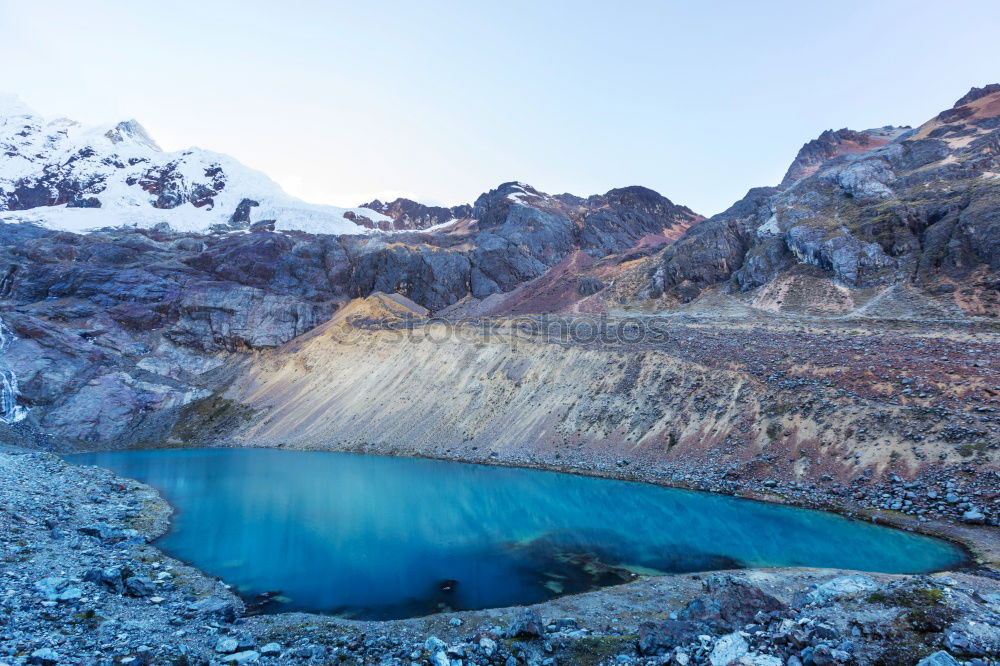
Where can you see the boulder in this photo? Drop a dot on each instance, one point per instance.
(527, 624)
(270, 650)
(214, 607)
(728, 649)
(939, 658)
(659, 638)
(837, 587)
(730, 604)
(227, 645)
(138, 586)
(44, 656)
(110, 577)
(974, 517)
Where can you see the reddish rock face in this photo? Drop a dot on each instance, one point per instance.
(832, 144)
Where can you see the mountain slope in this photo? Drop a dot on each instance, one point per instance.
(65, 176)
(921, 208)
(113, 328)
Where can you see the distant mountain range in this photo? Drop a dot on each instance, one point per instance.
(198, 257)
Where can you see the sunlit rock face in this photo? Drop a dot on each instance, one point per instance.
(869, 209)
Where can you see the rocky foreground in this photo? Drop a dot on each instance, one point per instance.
(82, 585)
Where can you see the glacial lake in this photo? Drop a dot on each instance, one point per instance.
(373, 537)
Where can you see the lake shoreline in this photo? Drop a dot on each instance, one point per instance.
(608, 544)
(606, 618)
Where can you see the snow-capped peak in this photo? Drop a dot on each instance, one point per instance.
(131, 130)
(62, 175)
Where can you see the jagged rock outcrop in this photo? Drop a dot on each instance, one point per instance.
(409, 215)
(833, 143)
(515, 234)
(869, 209)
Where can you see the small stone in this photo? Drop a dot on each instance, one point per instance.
(241, 657)
(433, 644)
(271, 650)
(566, 624)
(44, 656)
(455, 622)
(487, 645)
(138, 586)
(70, 594)
(227, 645)
(973, 517)
(939, 658)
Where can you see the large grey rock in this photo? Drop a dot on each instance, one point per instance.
(728, 649)
(270, 650)
(939, 658)
(138, 586)
(659, 638)
(227, 645)
(837, 587)
(527, 624)
(214, 607)
(973, 517)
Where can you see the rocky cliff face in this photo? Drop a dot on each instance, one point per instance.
(513, 234)
(869, 210)
(832, 144)
(112, 329)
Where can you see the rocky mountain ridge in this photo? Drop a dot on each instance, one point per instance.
(114, 331)
(919, 208)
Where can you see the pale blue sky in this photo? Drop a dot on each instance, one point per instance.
(344, 101)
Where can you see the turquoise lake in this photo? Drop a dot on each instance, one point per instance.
(379, 537)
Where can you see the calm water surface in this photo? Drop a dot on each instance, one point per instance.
(377, 537)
